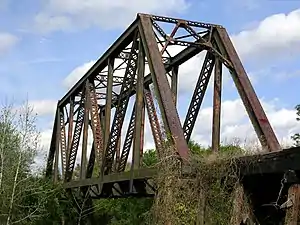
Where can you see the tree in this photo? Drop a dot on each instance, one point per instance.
(24, 198)
(296, 137)
(150, 158)
(18, 138)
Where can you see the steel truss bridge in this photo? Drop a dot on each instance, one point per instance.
(141, 67)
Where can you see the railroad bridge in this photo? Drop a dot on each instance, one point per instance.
(138, 76)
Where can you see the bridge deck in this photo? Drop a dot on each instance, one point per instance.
(263, 165)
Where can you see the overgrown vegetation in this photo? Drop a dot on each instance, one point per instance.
(27, 198)
(181, 199)
(24, 198)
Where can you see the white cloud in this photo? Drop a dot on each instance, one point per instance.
(276, 34)
(76, 74)
(236, 124)
(43, 107)
(74, 14)
(46, 138)
(7, 41)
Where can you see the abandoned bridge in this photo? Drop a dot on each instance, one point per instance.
(142, 67)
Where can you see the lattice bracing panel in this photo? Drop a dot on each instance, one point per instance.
(153, 118)
(127, 143)
(95, 121)
(63, 145)
(75, 143)
(198, 95)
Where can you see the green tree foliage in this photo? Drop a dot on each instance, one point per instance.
(150, 158)
(131, 211)
(24, 198)
(296, 137)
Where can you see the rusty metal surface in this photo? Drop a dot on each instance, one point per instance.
(146, 43)
(256, 113)
(127, 142)
(174, 83)
(139, 110)
(121, 108)
(95, 121)
(75, 142)
(216, 127)
(70, 127)
(153, 119)
(63, 145)
(198, 96)
(115, 49)
(83, 165)
(52, 149)
(163, 91)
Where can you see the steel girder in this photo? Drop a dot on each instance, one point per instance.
(98, 104)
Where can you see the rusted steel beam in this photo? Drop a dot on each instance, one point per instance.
(198, 95)
(63, 145)
(55, 177)
(108, 100)
(75, 142)
(116, 80)
(115, 177)
(51, 154)
(168, 109)
(95, 121)
(122, 42)
(175, 21)
(174, 83)
(70, 127)
(83, 166)
(217, 106)
(142, 134)
(140, 109)
(255, 111)
(91, 163)
(127, 142)
(57, 133)
(118, 154)
(153, 120)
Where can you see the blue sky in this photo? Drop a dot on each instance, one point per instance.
(43, 42)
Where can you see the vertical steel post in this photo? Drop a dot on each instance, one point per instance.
(85, 136)
(139, 108)
(108, 102)
(174, 83)
(70, 128)
(51, 154)
(57, 146)
(102, 119)
(118, 153)
(217, 105)
(63, 146)
(142, 134)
